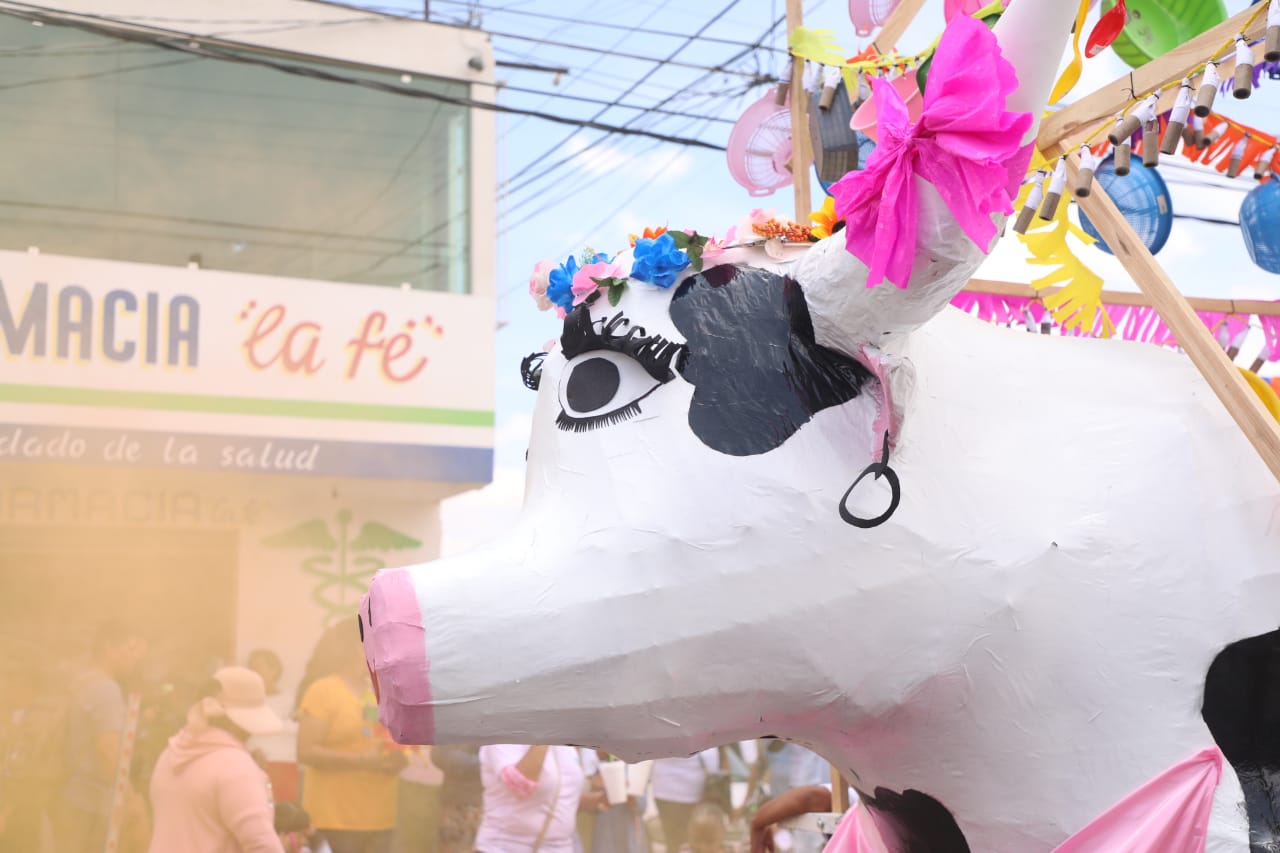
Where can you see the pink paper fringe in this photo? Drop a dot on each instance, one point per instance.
(1132, 322)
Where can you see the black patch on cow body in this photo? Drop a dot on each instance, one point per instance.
(920, 823)
(757, 372)
(1242, 711)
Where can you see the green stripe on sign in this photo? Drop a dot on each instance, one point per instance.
(242, 405)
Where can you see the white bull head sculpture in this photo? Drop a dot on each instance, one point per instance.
(1079, 588)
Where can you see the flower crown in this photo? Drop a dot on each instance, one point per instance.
(659, 256)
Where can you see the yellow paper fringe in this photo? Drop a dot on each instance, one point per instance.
(816, 46)
(1076, 305)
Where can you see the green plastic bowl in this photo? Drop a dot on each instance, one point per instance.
(1158, 26)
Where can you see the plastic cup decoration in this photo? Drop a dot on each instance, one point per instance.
(638, 778)
(614, 776)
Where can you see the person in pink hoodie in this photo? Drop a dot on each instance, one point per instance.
(208, 794)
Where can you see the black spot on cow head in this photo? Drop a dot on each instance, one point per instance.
(1242, 710)
(919, 823)
(758, 374)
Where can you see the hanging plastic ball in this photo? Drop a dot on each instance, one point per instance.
(1260, 224)
(1143, 198)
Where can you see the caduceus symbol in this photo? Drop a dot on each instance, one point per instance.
(343, 565)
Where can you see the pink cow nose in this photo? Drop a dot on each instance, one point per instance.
(395, 651)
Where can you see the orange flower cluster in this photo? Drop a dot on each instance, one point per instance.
(790, 232)
(649, 234)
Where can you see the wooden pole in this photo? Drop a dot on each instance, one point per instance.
(801, 155)
(1116, 297)
(1063, 130)
(1223, 377)
(896, 24)
(839, 792)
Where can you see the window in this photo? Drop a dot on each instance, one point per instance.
(134, 152)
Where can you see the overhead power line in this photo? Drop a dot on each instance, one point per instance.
(777, 22)
(597, 24)
(585, 100)
(660, 61)
(552, 150)
(619, 42)
(209, 51)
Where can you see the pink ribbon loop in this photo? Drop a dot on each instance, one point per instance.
(966, 144)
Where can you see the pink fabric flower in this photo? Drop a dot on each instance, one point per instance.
(716, 247)
(966, 144)
(584, 279)
(538, 283)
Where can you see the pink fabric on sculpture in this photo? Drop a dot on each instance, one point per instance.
(966, 144)
(885, 422)
(857, 833)
(1169, 814)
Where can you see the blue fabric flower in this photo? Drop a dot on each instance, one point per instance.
(560, 284)
(657, 261)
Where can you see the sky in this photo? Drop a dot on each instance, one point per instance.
(612, 185)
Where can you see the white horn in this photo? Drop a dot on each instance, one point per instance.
(848, 315)
(1031, 32)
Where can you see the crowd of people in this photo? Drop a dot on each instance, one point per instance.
(229, 762)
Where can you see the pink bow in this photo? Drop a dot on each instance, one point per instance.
(962, 7)
(966, 144)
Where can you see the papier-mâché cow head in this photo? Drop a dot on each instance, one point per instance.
(996, 643)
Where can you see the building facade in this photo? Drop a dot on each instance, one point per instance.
(246, 316)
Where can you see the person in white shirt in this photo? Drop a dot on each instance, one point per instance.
(531, 796)
(678, 784)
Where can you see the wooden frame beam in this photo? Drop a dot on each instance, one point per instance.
(1067, 128)
(801, 153)
(1116, 297)
(1226, 381)
(896, 24)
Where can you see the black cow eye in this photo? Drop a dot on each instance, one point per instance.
(600, 388)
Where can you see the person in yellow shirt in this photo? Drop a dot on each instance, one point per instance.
(350, 764)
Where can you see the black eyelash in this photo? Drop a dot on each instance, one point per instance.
(659, 357)
(569, 423)
(531, 370)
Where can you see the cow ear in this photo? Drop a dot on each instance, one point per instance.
(894, 387)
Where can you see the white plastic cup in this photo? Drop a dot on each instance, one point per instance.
(638, 778)
(738, 794)
(614, 776)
